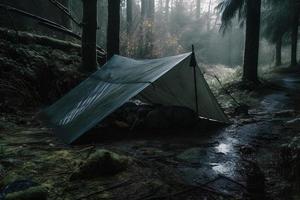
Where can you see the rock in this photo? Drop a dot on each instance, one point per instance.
(193, 155)
(293, 124)
(32, 193)
(101, 163)
(285, 113)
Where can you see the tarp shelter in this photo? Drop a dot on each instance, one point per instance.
(167, 81)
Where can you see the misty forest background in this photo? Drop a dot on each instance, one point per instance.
(151, 29)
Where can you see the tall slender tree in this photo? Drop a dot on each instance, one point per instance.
(89, 29)
(147, 14)
(167, 9)
(113, 28)
(129, 15)
(275, 24)
(295, 24)
(278, 52)
(252, 40)
(198, 9)
(250, 10)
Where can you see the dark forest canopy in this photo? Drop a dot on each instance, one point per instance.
(227, 32)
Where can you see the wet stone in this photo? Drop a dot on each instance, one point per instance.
(192, 155)
(101, 163)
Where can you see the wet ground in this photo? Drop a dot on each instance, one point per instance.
(221, 159)
(235, 162)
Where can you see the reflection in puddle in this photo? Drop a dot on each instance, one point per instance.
(224, 168)
(223, 148)
(220, 169)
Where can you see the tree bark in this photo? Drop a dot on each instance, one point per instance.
(150, 34)
(144, 8)
(89, 29)
(167, 9)
(208, 16)
(278, 51)
(252, 40)
(146, 41)
(294, 38)
(129, 16)
(113, 28)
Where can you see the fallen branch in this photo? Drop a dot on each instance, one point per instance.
(127, 182)
(233, 181)
(27, 14)
(29, 38)
(226, 91)
(60, 29)
(47, 23)
(65, 11)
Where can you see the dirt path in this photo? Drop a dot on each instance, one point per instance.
(229, 163)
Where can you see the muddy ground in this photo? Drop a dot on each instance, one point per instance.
(247, 159)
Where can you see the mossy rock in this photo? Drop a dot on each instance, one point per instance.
(101, 163)
(32, 193)
(9, 178)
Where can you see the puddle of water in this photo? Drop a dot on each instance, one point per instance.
(226, 168)
(223, 148)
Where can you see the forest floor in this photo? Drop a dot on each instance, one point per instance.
(256, 157)
(247, 158)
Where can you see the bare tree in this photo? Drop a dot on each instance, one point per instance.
(89, 29)
(198, 9)
(129, 14)
(113, 28)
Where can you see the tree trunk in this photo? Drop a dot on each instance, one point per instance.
(113, 28)
(294, 38)
(65, 20)
(144, 8)
(208, 16)
(89, 29)
(129, 16)
(198, 9)
(252, 40)
(167, 9)
(278, 52)
(146, 40)
(150, 34)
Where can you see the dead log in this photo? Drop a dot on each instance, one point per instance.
(29, 38)
(27, 14)
(65, 11)
(59, 29)
(47, 23)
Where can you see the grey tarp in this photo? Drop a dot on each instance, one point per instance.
(167, 81)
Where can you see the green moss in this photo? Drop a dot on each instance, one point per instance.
(33, 193)
(9, 178)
